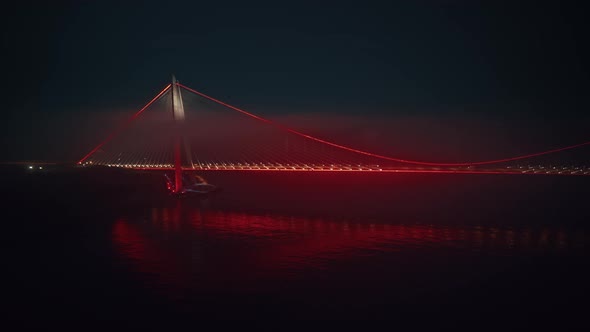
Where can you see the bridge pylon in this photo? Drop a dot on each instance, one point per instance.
(179, 139)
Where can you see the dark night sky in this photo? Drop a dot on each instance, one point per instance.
(438, 60)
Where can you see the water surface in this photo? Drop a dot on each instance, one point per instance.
(94, 245)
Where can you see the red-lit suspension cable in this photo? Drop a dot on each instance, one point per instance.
(116, 132)
(415, 162)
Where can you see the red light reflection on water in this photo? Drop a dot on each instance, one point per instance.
(148, 257)
(190, 248)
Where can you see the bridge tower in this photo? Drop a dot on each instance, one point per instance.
(179, 138)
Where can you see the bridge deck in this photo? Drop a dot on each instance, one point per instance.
(361, 168)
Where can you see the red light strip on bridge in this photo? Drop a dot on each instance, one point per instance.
(115, 133)
(415, 162)
(374, 171)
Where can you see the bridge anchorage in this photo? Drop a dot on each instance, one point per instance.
(182, 130)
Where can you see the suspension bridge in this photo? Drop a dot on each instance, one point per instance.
(180, 129)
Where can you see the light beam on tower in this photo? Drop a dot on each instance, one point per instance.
(178, 115)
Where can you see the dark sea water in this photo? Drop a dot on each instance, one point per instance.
(85, 246)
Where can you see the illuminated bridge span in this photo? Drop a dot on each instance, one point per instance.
(184, 129)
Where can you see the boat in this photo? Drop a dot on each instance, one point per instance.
(191, 185)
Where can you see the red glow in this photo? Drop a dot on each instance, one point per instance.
(149, 256)
(434, 171)
(487, 162)
(163, 248)
(127, 123)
